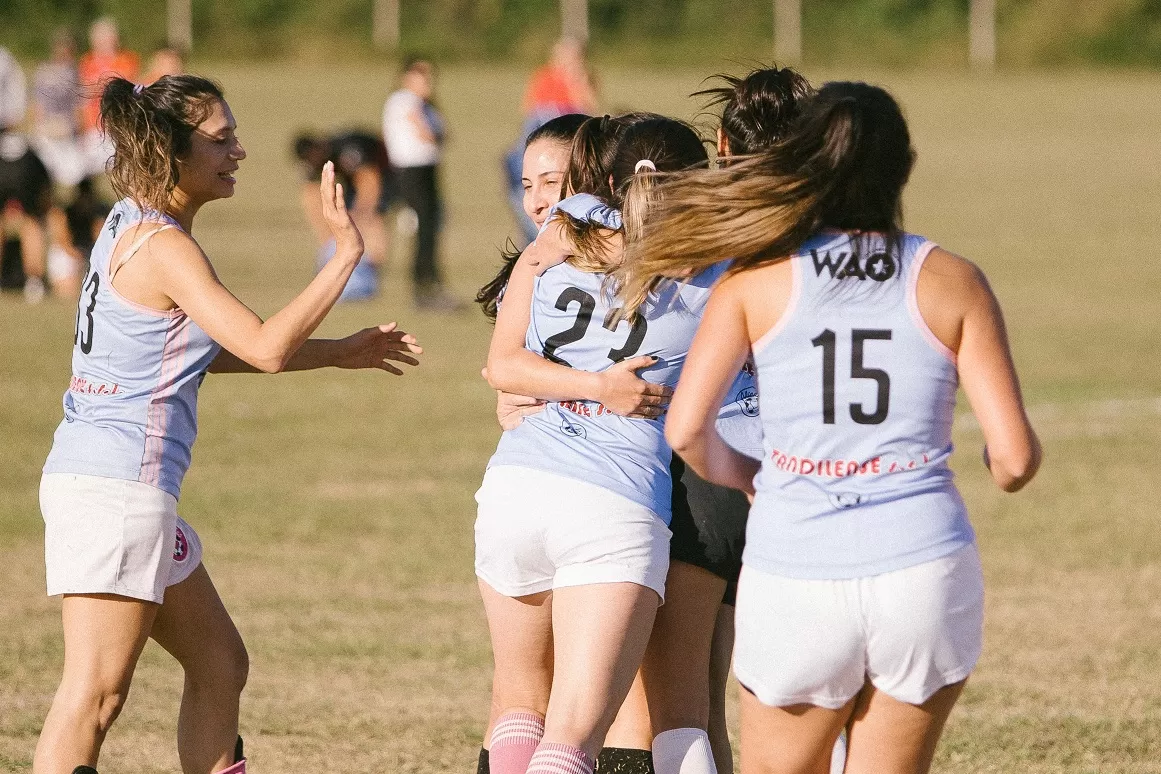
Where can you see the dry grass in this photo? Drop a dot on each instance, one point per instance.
(336, 508)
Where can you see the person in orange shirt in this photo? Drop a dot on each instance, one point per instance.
(104, 60)
(561, 86)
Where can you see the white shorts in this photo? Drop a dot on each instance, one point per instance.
(537, 531)
(113, 536)
(910, 632)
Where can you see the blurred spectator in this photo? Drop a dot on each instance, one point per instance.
(165, 61)
(13, 100)
(25, 187)
(414, 133)
(562, 86)
(56, 112)
(105, 59)
(72, 233)
(362, 168)
(25, 199)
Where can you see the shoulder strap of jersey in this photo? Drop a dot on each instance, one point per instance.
(134, 248)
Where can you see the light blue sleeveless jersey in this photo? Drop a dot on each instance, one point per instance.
(858, 397)
(131, 408)
(570, 324)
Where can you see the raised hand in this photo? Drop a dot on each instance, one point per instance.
(624, 392)
(375, 348)
(348, 239)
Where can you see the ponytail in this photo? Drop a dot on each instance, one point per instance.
(150, 128)
(843, 165)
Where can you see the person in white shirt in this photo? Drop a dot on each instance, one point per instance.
(413, 131)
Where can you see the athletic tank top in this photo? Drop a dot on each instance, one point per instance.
(571, 324)
(131, 408)
(858, 397)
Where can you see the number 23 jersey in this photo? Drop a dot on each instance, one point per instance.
(131, 408)
(571, 323)
(857, 401)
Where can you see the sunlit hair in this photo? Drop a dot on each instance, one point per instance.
(562, 130)
(758, 108)
(667, 145)
(843, 165)
(150, 128)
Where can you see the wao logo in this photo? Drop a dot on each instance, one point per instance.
(879, 266)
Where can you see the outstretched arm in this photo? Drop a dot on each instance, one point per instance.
(368, 348)
(186, 277)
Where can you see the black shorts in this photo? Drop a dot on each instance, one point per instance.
(24, 180)
(709, 524)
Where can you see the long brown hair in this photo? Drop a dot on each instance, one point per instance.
(150, 127)
(647, 145)
(843, 165)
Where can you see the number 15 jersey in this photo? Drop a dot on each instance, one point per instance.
(857, 399)
(572, 324)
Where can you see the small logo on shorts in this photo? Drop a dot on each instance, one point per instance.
(846, 499)
(568, 428)
(748, 397)
(181, 547)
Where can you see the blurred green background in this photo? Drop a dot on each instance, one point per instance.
(895, 33)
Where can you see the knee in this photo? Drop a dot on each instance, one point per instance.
(94, 705)
(224, 671)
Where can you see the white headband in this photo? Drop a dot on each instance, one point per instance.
(138, 89)
(644, 164)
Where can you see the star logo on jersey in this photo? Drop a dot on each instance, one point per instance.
(748, 398)
(571, 429)
(880, 267)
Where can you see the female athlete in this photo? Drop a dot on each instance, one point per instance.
(860, 603)
(571, 541)
(152, 320)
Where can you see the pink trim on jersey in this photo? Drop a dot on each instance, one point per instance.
(110, 273)
(172, 362)
(791, 306)
(913, 302)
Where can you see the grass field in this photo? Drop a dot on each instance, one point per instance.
(336, 508)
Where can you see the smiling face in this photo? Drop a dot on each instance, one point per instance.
(206, 171)
(544, 164)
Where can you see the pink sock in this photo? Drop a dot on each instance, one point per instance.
(554, 758)
(514, 740)
(237, 768)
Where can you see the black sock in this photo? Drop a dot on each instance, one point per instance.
(239, 752)
(625, 760)
(84, 770)
(483, 766)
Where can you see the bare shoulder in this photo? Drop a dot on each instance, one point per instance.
(946, 268)
(763, 293)
(949, 288)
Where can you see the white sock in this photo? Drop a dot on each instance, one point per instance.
(683, 751)
(838, 756)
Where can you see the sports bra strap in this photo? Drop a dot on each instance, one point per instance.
(134, 248)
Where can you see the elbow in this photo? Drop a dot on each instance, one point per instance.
(270, 362)
(681, 438)
(1013, 471)
(498, 375)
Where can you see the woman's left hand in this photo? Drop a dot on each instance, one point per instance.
(375, 347)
